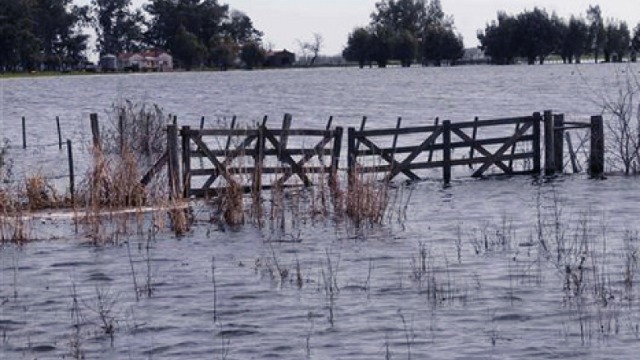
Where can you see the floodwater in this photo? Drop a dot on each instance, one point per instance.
(497, 268)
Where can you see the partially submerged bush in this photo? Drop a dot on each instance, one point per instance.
(139, 128)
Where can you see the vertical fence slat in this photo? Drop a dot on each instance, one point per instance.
(24, 133)
(513, 148)
(537, 118)
(95, 130)
(549, 156)
(596, 160)
(446, 152)
(59, 133)
(335, 154)
(474, 135)
(72, 187)
(351, 156)
(172, 148)
(186, 161)
(436, 122)
(233, 125)
(558, 143)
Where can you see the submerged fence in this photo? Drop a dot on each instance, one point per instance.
(202, 162)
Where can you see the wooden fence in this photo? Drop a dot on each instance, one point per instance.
(204, 162)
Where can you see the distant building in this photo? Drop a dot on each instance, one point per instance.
(148, 60)
(108, 62)
(281, 58)
(474, 56)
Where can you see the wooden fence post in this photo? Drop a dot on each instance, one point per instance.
(186, 161)
(395, 144)
(59, 133)
(284, 138)
(173, 168)
(536, 143)
(446, 152)
(72, 186)
(436, 122)
(474, 135)
(259, 160)
(24, 133)
(95, 130)
(549, 149)
(596, 158)
(558, 142)
(351, 156)
(337, 148)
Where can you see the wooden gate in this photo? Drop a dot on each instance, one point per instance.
(510, 146)
(256, 159)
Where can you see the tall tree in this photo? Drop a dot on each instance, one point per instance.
(252, 54)
(215, 28)
(618, 41)
(117, 25)
(635, 43)
(597, 34)
(536, 35)
(499, 39)
(574, 40)
(358, 47)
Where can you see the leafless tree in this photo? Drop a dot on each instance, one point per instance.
(621, 109)
(311, 49)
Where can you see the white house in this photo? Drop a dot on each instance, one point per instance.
(148, 60)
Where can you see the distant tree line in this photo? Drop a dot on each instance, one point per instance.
(406, 31)
(50, 34)
(535, 35)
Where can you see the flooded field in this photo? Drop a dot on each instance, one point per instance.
(496, 268)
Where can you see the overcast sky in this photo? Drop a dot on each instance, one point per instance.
(286, 21)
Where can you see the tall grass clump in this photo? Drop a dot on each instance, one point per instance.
(367, 199)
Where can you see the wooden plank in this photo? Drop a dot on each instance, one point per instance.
(244, 170)
(392, 131)
(268, 152)
(454, 145)
(494, 122)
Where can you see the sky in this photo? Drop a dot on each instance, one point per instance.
(286, 22)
